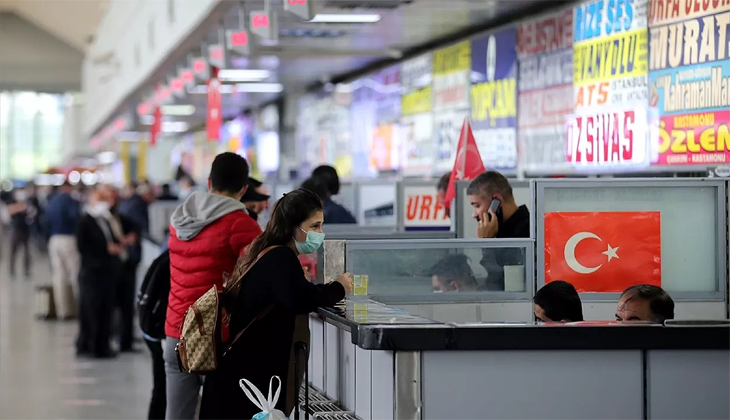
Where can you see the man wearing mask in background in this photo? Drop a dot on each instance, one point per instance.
(506, 221)
(99, 239)
(334, 213)
(62, 216)
(255, 198)
(21, 213)
(208, 233)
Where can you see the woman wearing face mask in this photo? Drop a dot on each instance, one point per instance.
(277, 283)
(99, 242)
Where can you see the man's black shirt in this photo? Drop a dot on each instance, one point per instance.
(494, 260)
(517, 226)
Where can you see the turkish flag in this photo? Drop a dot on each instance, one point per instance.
(468, 163)
(603, 251)
(214, 118)
(156, 126)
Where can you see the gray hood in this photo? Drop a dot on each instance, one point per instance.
(199, 210)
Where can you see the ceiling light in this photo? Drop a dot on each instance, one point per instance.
(175, 126)
(228, 75)
(202, 89)
(178, 110)
(146, 119)
(259, 87)
(323, 18)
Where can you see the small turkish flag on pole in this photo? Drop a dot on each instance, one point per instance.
(156, 127)
(214, 119)
(468, 163)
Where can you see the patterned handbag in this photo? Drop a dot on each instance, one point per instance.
(202, 329)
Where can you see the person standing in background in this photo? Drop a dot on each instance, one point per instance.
(255, 198)
(136, 207)
(62, 216)
(334, 213)
(21, 213)
(99, 240)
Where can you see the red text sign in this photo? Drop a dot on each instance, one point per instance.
(607, 138)
(424, 210)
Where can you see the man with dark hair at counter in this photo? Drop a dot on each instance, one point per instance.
(334, 213)
(645, 302)
(508, 220)
(453, 274)
(558, 301)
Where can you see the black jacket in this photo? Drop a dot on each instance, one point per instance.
(494, 260)
(96, 262)
(264, 349)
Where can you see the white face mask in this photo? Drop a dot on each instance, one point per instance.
(20, 195)
(100, 208)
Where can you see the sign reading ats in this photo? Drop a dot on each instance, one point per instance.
(423, 210)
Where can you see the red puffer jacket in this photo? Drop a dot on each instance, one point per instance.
(199, 263)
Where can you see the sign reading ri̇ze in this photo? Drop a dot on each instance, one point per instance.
(423, 211)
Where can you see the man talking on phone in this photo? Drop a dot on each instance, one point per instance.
(498, 216)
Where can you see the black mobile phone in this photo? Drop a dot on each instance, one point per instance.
(494, 206)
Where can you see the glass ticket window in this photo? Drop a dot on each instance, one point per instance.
(400, 271)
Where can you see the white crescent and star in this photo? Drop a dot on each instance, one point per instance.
(569, 252)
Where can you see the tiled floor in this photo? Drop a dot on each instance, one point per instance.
(40, 376)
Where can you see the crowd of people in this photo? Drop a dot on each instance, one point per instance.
(94, 241)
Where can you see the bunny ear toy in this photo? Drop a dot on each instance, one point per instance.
(266, 405)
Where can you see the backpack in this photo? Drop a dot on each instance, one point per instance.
(204, 325)
(153, 295)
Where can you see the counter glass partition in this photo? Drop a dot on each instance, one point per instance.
(436, 270)
(666, 232)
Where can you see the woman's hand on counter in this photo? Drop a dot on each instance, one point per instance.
(346, 281)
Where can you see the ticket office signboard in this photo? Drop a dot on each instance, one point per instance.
(422, 210)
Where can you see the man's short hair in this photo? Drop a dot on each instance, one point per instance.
(490, 183)
(329, 175)
(560, 301)
(660, 303)
(443, 183)
(229, 173)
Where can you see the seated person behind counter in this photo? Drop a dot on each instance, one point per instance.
(558, 301)
(453, 274)
(645, 302)
(508, 221)
(334, 213)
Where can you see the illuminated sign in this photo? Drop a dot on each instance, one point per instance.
(607, 138)
(302, 8)
(217, 56)
(263, 24)
(187, 77)
(695, 139)
(238, 41)
(423, 209)
(201, 69)
(689, 43)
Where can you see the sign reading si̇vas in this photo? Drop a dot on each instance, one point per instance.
(610, 75)
(416, 119)
(690, 80)
(545, 54)
(494, 98)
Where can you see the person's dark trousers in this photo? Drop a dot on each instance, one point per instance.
(125, 302)
(19, 238)
(97, 303)
(158, 402)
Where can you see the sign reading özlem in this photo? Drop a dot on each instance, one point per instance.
(607, 138)
(423, 211)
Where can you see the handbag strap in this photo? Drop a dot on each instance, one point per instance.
(262, 313)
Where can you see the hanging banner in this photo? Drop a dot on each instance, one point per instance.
(214, 119)
(610, 75)
(690, 81)
(603, 252)
(447, 127)
(545, 83)
(451, 70)
(362, 126)
(416, 118)
(423, 210)
(494, 98)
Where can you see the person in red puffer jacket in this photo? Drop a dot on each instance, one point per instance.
(208, 232)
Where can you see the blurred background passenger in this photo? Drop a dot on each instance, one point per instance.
(186, 186)
(334, 213)
(21, 213)
(558, 301)
(99, 239)
(136, 207)
(166, 194)
(255, 198)
(645, 302)
(453, 274)
(62, 217)
(441, 188)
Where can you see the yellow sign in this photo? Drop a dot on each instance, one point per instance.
(142, 160)
(493, 100)
(343, 165)
(452, 59)
(613, 57)
(417, 102)
(361, 285)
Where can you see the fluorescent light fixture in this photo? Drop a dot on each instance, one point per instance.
(175, 126)
(203, 89)
(325, 18)
(236, 75)
(146, 119)
(178, 110)
(259, 87)
(106, 158)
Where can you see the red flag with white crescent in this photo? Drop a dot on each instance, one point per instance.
(468, 163)
(214, 118)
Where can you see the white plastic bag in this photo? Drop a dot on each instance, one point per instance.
(267, 405)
